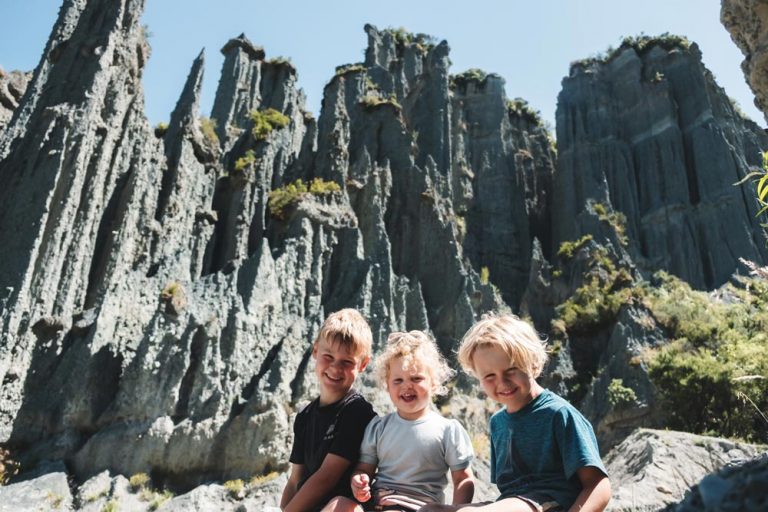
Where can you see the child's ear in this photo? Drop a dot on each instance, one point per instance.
(314, 351)
(364, 362)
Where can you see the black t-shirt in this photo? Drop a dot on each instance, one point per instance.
(337, 428)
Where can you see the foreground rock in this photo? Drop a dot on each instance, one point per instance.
(653, 468)
(737, 487)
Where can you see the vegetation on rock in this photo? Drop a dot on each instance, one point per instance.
(521, 108)
(245, 161)
(569, 248)
(374, 100)
(714, 374)
(208, 127)
(160, 129)
(606, 287)
(138, 481)
(617, 220)
(264, 121)
(235, 488)
(620, 396)
(281, 198)
(640, 43)
(461, 80)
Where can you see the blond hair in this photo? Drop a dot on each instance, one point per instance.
(515, 337)
(415, 348)
(348, 328)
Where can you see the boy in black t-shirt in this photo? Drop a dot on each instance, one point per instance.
(328, 432)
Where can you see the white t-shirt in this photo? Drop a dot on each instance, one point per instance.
(414, 457)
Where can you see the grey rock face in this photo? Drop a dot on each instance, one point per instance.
(747, 22)
(650, 133)
(156, 316)
(46, 492)
(654, 468)
(634, 332)
(738, 486)
(507, 159)
(12, 87)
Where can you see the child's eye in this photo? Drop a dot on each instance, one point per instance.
(417, 379)
(397, 381)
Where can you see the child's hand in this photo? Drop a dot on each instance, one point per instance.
(361, 487)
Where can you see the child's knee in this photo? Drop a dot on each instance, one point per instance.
(435, 507)
(342, 504)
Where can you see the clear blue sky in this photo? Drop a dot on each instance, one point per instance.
(529, 43)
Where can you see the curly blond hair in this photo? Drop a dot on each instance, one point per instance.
(517, 338)
(416, 348)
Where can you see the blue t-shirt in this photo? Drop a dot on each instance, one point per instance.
(540, 447)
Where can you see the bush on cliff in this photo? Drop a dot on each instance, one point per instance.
(281, 198)
(264, 121)
(714, 374)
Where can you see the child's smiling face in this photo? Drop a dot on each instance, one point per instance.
(336, 366)
(410, 388)
(502, 380)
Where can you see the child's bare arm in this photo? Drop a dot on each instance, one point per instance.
(318, 485)
(595, 491)
(289, 491)
(463, 486)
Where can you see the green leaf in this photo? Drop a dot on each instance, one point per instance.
(762, 187)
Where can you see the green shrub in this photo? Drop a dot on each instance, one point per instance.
(640, 43)
(236, 488)
(320, 187)
(569, 248)
(520, 108)
(170, 291)
(485, 275)
(161, 129)
(605, 288)
(208, 127)
(158, 499)
(374, 100)
(245, 161)
(403, 38)
(714, 374)
(281, 198)
(111, 506)
(620, 396)
(350, 68)
(461, 80)
(264, 121)
(259, 480)
(617, 220)
(140, 481)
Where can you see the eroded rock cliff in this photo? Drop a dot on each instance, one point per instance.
(160, 287)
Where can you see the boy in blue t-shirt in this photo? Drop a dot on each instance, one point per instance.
(544, 454)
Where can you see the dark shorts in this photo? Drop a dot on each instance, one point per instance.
(538, 502)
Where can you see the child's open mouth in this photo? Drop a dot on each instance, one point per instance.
(408, 397)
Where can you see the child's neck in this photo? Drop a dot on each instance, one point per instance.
(536, 390)
(331, 398)
(413, 415)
